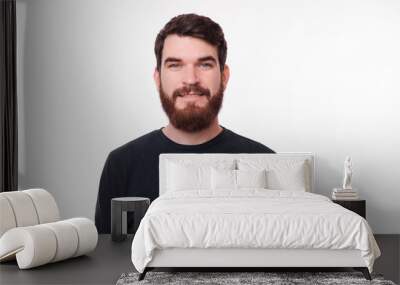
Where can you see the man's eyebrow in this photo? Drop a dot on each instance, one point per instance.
(171, 59)
(201, 59)
(208, 58)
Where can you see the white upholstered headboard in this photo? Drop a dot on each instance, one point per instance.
(164, 157)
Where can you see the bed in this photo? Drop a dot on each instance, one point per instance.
(246, 211)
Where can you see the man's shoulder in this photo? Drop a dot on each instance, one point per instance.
(252, 145)
(136, 145)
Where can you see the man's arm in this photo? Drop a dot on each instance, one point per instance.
(107, 190)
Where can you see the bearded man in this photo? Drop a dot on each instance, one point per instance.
(191, 76)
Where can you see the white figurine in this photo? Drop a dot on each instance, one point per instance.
(348, 172)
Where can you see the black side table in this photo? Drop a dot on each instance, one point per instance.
(357, 206)
(119, 208)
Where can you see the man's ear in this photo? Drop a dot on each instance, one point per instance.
(157, 78)
(225, 76)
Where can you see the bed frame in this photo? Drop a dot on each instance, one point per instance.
(248, 259)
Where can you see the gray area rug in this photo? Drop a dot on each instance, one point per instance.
(270, 278)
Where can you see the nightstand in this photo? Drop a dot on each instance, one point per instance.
(119, 208)
(357, 206)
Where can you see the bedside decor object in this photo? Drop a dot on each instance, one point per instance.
(119, 208)
(348, 173)
(346, 192)
(32, 233)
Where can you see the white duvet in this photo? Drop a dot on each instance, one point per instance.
(251, 218)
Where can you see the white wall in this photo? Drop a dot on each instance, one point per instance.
(320, 76)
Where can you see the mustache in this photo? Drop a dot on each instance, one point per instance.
(191, 89)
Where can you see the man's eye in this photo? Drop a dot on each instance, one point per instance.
(206, 65)
(173, 65)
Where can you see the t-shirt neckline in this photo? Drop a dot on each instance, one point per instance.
(194, 146)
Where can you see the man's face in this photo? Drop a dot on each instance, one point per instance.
(190, 82)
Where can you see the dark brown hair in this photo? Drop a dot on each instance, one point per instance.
(196, 26)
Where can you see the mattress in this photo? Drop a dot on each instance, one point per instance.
(250, 218)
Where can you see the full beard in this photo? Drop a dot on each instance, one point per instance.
(192, 118)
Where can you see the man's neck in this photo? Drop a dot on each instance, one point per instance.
(186, 138)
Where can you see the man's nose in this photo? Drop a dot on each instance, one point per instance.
(190, 75)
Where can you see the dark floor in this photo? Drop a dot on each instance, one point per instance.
(389, 262)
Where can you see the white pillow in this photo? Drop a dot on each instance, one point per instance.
(251, 178)
(282, 174)
(223, 179)
(186, 175)
(237, 179)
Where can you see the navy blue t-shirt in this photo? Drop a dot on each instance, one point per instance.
(132, 169)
